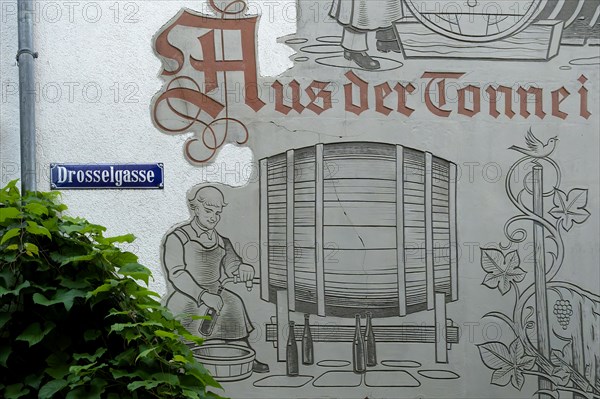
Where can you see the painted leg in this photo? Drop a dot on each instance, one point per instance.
(355, 49)
(283, 318)
(387, 40)
(441, 343)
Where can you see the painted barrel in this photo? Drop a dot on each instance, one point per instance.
(569, 10)
(581, 20)
(355, 226)
(488, 20)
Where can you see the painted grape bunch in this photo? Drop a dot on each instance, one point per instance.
(563, 311)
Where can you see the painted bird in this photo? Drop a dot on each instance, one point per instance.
(537, 149)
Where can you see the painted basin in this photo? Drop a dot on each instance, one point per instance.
(226, 362)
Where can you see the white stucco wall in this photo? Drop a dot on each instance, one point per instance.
(95, 76)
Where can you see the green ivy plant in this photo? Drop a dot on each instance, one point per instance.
(74, 321)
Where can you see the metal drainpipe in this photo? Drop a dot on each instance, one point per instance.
(25, 58)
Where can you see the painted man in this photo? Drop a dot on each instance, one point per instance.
(358, 17)
(196, 259)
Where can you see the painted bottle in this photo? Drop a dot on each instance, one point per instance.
(308, 355)
(370, 342)
(207, 326)
(291, 354)
(358, 349)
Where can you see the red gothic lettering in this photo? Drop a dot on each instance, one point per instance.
(314, 96)
(583, 95)
(524, 101)
(363, 88)
(462, 107)
(493, 93)
(441, 86)
(381, 92)
(558, 96)
(402, 90)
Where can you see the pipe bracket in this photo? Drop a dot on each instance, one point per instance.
(34, 54)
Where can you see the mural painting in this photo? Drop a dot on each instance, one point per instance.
(345, 266)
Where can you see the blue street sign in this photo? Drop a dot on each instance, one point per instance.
(106, 176)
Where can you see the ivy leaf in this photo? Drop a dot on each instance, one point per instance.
(51, 224)
(120, 259)
(508, 363)
(73, 257)
(96, 388)
(501, 270)
(117, 327)
(146, 384)
(9, 213)
(90, 335)
(166, 378)
(570, 208)
(34, 228)
(88, 357)
(180, 359)
(128, 238)
(4, 318)
(77, 393)
(165, 334)
(10, 193)
(145, 353)
(10, 234)
(201, 374)
(5, 351)
(118, 373)
(106, 287)
(34, 380)
(34, 333)
(52, 387)
(136, 271)
(36, 208)
(72, 284)
(16, 290)
(66, 297)
(57, 365)
(31, 249)
(15, 391)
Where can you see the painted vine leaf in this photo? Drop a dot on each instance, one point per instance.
(508, 363)
(570, 208)
(501, 270)
(561, 375)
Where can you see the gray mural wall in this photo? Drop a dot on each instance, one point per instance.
(383, 199)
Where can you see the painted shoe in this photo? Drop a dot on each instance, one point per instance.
(362, 59)
(387, 46)
(259, 367)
